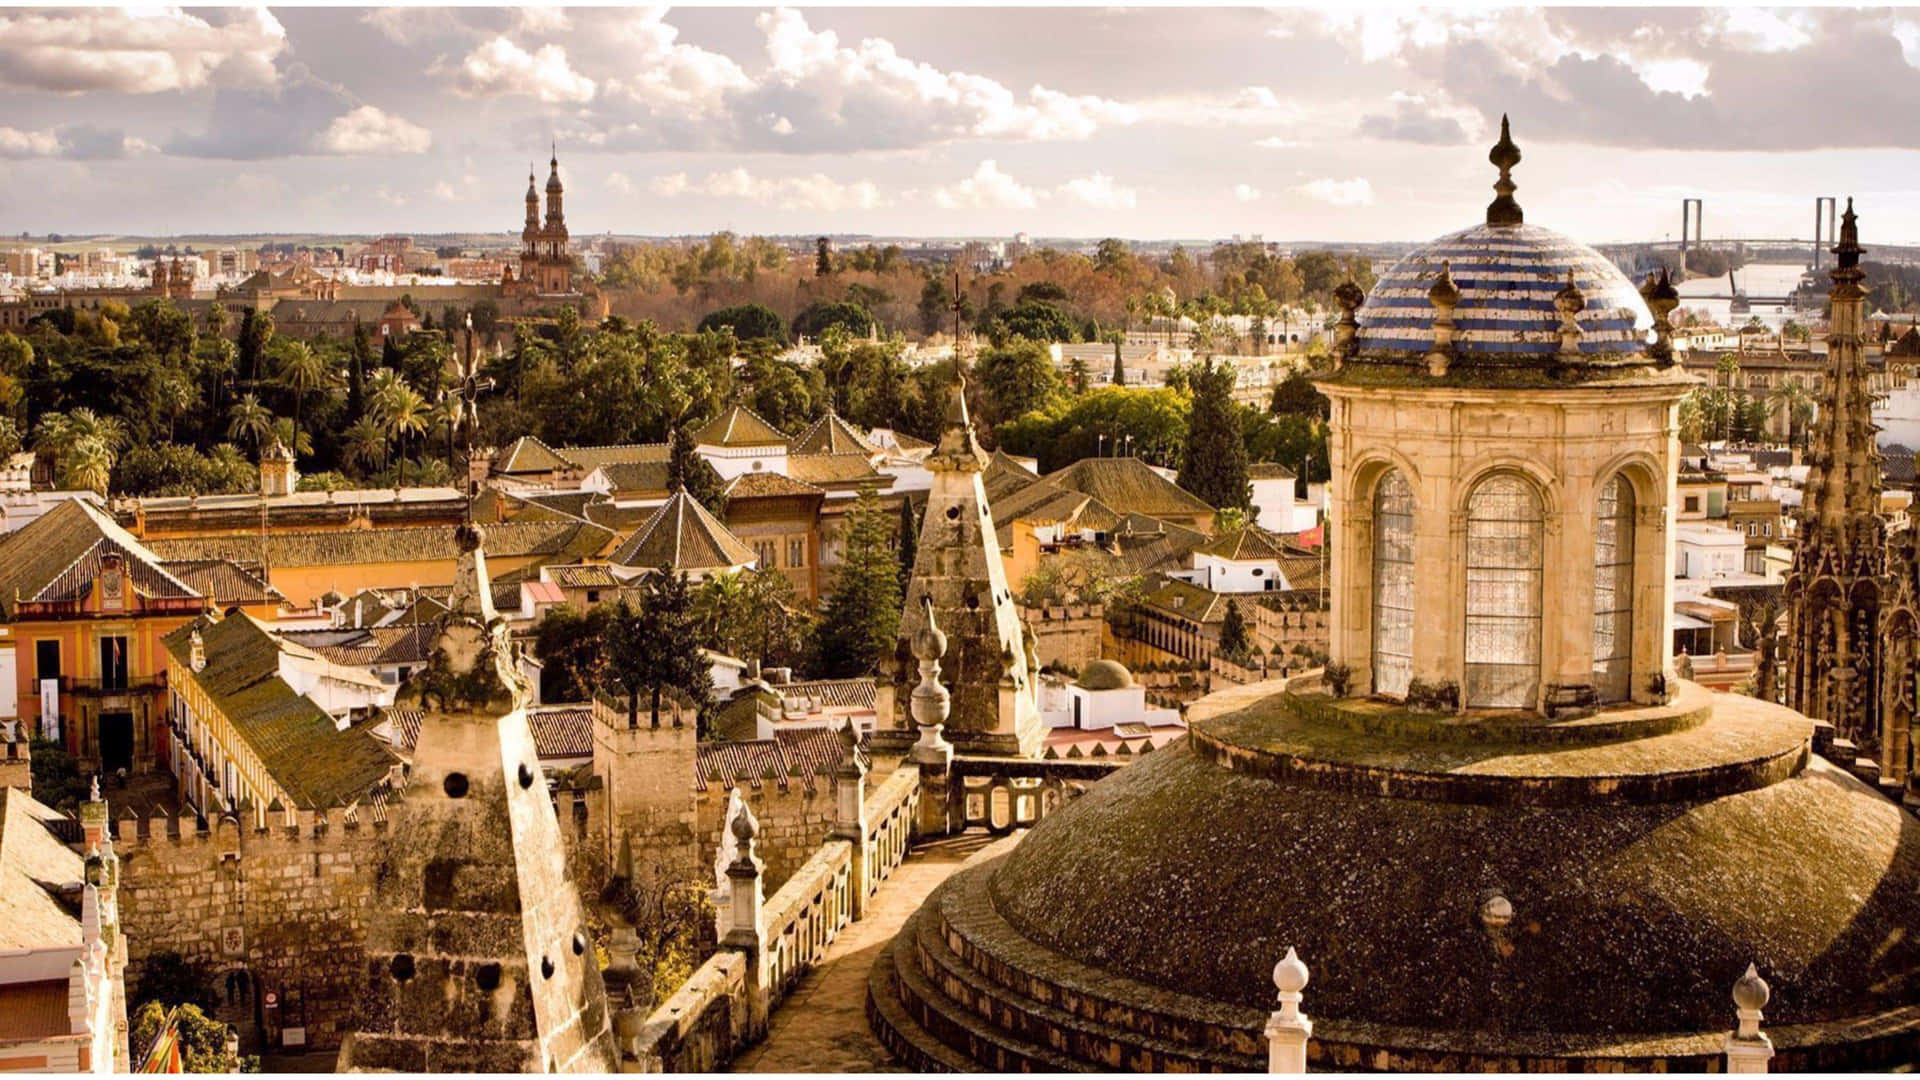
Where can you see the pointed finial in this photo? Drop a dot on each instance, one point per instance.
(1849, 249)
(1504, 155)
(1751, 992)
(1290, 974)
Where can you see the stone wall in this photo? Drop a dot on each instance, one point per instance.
(795, 819)
(282, 905)
(1066, 636)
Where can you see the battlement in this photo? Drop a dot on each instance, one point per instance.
(131, 831)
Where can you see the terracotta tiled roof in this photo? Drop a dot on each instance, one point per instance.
(833, 435)
(1248, 543)
(739, 426)
(1302, 571)
(636, 477)
(832, 693)
(767, 485)
(682, 535)
(592, 457)
(529, 455)
(806, 755)
(560, 732)
(399, 643)
(415, 544)
(32, 859)
(1130, 482)
(318, 764)
(833, 470)
(1178, 598)
(1269, 470)
(57, 556)
(584, 576)
(223, 582)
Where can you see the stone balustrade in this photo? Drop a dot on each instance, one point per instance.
(1004, 794)
(723, 1007)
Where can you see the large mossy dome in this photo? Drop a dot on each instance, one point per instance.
(1468, 894)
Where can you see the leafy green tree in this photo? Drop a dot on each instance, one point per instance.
(1214, 466)
(863, 615)
(203, 1040)
(814, 320)
(753, 615)
(302, 371)
(1034, 320)
(1078, 378)
(666, 638)
(1078, 427)
(56, 777)
(360, 360)
(573, 662)
(749, 322)
(1296, 395)
(1016, 379)
(907, 547)
(1119, 366)
(822, 258)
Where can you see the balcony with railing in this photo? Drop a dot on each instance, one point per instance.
(98, 686)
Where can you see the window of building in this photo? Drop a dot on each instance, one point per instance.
(1693, 504)
(1505, 538)
(765, 551)
(113, 662)
(1613, 591)
(797, 551)
(1392, 584)
(46, 659)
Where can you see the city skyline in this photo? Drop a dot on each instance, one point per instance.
(1299, 123)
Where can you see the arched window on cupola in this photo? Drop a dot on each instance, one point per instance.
(1392, 584)
(1613, 541)
(1505, 540)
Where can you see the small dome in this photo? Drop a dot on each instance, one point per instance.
(1507, 277)
(1105, 675)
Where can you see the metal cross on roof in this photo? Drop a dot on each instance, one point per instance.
(466, 417)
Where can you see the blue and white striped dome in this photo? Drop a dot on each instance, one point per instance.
(1507, 276)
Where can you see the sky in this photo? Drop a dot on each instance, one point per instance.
(1294, 123)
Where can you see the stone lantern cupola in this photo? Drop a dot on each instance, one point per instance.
(278, 473)
(1503, 451)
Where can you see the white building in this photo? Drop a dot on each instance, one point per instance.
(1103, 698)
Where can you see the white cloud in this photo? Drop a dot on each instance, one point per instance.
(620, 182)
(1100, 192)
(1355, 192)
(15, 143)
(369, 130)
(815, 192)
(499, 67)
(1245, 193)
(823, 87)
(147, 51)
(1272, 142)
(1674, 74)
(1763, 30)
(541, 19)
(464, 191)
(987, 189)
(669, 75)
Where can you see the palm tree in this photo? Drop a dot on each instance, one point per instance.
(248, 419)
(292, 437)
(366, 443)
(176, 397)
(87, 463)
(1793, 400)
(301, 371)
(400, 411)
(1728, 367)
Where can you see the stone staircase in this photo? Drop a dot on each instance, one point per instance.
(960, 990)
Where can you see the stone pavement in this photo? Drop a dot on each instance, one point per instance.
(822, 1025)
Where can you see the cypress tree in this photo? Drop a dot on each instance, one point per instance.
(687, 469)
(361, 357)
(863, 614)
(1233, 635)
(1119, 367)
(1215, 464)
(909, 544)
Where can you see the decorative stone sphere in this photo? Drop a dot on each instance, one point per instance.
(745, 828)
(1751, 992)
(468, 536)
(929, 642)
(1496, 911)
(1290, 974)
(1106, 675)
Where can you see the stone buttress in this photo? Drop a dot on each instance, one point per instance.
(478, 955)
